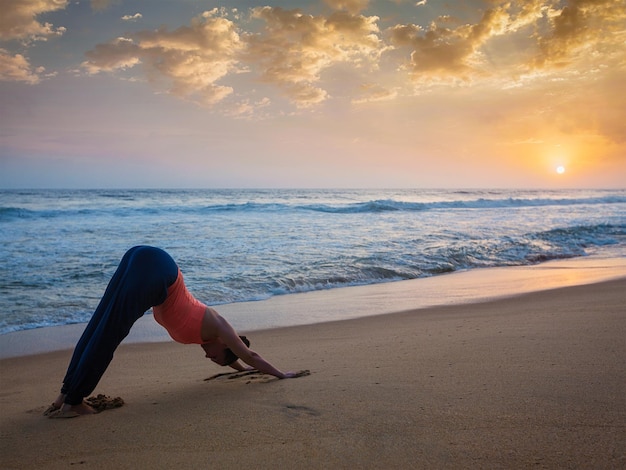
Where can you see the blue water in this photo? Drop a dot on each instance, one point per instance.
(58, 248)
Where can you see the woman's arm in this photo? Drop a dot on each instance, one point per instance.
(229, 337)
(237, 366)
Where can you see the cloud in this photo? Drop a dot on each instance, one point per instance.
(16, 68)
(541, 35)
(442, 51)
(19, 19)
(510, 44)
(294, 48)
(135, 17)
(246, 109)
(121, 53)
(352, 6)
(291, 51)
(582, 25)
(191, 59)
(372, 93)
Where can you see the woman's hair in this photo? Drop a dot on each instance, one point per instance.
(230, 356)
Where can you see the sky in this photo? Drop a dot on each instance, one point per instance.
(323, 93)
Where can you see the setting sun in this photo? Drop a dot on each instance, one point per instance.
(560, 169)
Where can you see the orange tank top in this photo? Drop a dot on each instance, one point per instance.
(181, 314)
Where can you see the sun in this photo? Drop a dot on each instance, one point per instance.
(560, 169)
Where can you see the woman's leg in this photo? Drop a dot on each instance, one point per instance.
(140, 281)
(98, 317)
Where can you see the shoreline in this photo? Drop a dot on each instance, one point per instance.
(463, 287)
(535, 380)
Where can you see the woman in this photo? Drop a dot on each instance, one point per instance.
(148, 277)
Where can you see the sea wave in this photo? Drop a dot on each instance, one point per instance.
(585, 235)
(480, 203)
(59, 248)
(124, 209)
(10, 213)
(526, 249)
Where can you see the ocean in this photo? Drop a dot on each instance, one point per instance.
(59, 248)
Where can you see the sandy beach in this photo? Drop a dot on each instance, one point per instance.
(532, 381)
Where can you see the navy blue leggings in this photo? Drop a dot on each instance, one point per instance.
(139, 283)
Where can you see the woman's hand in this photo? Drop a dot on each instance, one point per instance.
(221, 329)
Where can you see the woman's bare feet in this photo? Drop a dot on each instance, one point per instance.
(59, 409)
(58, 403)
(81, 409)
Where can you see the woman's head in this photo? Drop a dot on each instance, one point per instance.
(221, 354)
(229, 356)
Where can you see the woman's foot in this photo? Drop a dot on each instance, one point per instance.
(58, 403)
(55, 406)
(81, 409)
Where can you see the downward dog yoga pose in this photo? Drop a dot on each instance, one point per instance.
(149, 277)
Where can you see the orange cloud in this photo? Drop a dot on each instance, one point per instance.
(511, 45)
(19, 19)
(558, 37)
(16, 68)
(374, 93)
(191, 58)
(291, 51)
(120, 53)
(294, 48)
(582, 25)
(352, 6)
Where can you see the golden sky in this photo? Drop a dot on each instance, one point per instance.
(332, 93)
